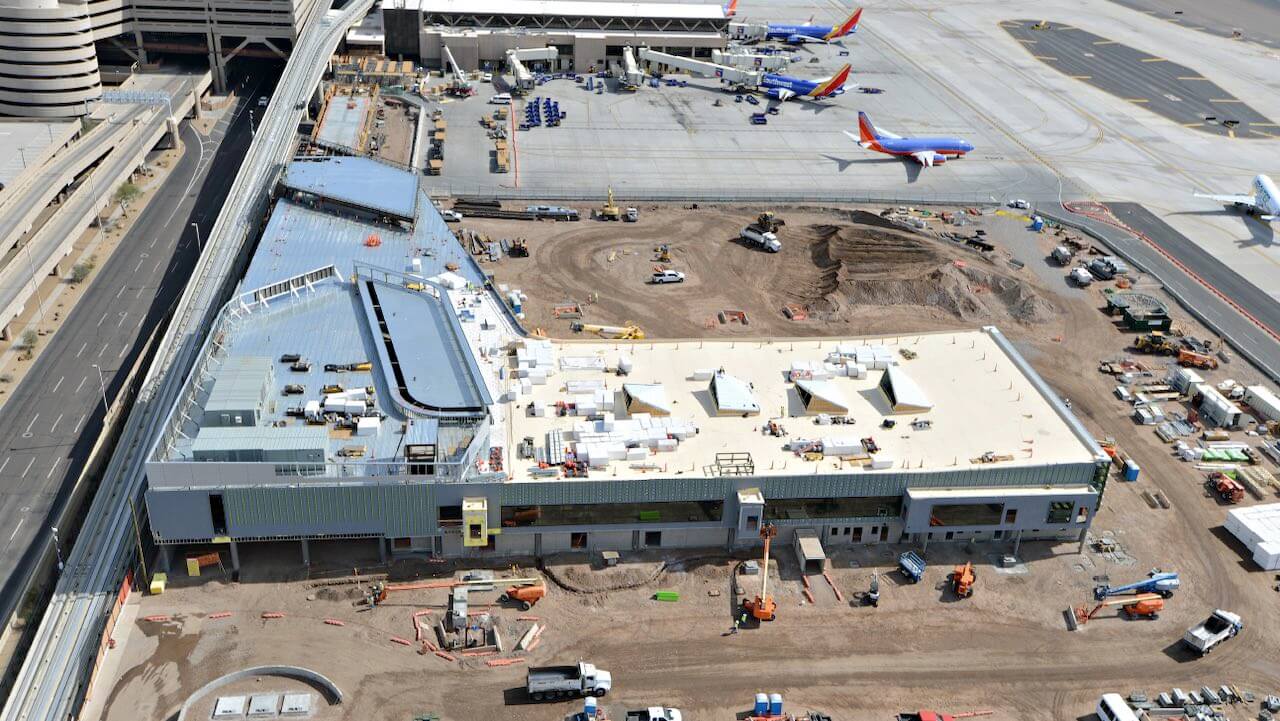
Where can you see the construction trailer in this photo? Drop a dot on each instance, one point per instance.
(1258, 528)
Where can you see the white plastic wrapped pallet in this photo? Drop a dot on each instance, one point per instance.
(834, 446)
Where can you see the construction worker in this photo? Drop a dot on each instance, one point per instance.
(744, 618)
(735, 627)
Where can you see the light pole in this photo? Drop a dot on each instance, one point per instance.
(57, 546)
(103, 386)
(199, 244)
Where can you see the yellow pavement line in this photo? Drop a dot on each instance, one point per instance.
(1082, 77)
(1225, 100)
(1154, 60)
(1138, 100)
(1265, 125)
(1231, 132)
(1043, 57)
(1104, 42)
(1024, 40)
(1192, 125)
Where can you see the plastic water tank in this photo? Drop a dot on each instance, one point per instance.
(762, 704)
(775, 704)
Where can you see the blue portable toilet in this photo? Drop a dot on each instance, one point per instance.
(775, 704)
(589, 707)
(1037, 223)
(762, 704)
(1131, 470)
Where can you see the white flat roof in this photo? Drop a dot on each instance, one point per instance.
(983, 403)
(571, 8)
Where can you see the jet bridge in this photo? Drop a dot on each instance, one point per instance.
(515, 58)
(751, 61)
(632, 77)
(737, 76)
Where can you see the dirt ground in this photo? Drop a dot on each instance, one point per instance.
(1006, 649)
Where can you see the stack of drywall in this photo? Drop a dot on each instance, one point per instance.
(876, 357)
(841, 446)
(1258, 528)
(610, 439)
(345, 403)
(1149, 415)
(590, 403)
(535, 354)
(448, 279)
(803, 370)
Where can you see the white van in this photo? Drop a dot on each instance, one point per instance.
(1112, 707)
(500, 99)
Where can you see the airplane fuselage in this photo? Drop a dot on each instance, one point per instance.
(950, 147)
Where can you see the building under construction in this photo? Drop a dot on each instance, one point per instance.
(366, 383)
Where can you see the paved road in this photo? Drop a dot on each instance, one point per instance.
(53, 419)
(1261, 348)
(1175, 91)
(1259, 20)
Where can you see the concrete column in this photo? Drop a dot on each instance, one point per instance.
(924, 548)
(235, 558)
(1017, 542)
(166, 558)
(382, 550)
(306, 552)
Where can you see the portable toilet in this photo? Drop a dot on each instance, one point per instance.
(1037, 223)
(589, 707)
(762, 704)
(775, 704)
(1131, 470)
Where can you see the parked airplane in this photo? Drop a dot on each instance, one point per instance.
(927, 151)
(799, 34)
(785, 87)
(1265, 201)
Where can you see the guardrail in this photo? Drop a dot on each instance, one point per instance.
(53, 679)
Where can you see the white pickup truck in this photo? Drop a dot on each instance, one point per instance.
(761, 237)
(1218, 627)
(655, 713)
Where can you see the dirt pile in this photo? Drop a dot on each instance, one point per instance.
(865, 266)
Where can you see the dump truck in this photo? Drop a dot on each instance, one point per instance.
(582, 679)
(757, 235)
(1218, 627)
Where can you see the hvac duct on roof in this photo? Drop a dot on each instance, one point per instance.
(903, 394)
(732, 396)
(648, 398)
(822, 397)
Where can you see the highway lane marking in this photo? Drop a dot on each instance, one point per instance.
(100, 320)
(1225, 100)
(104, 350)
(157, 268)
(77, 428)
(139, 265)
(123, 315)
(56, 421)
(1030, 42)
(121, 291)
(81, 384)
(1154, 60)
(139, 293)
(32, 423)
(1045, 58)
(123, 349)
(86, 345)
(29, 464)
(1191, 77)
(16, 528)
(52, 468)
(6, 462)
(58, 385)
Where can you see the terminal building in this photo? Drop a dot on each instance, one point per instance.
(51, 51)
(586, 35)
(367, 382)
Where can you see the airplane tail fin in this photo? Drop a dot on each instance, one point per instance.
(866, 130)
(833, 83)
(849, 26)
(731, 9)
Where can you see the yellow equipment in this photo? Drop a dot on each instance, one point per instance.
(611, 211)
(664, 254)
(627, 331)
(1042, 25)
(1156, 343)
(769, 221)
(762, 607)
(1197, 360)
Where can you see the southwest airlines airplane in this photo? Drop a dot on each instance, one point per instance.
(785, 87)
(1265, 201)
(799, 34)
(927, 151)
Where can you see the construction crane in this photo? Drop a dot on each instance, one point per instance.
(762, 607)
(627, 331)
(1161, 582)
(1144, 605)
(460, 85)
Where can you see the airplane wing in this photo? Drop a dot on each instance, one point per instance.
(926, 158)
(1234, 199)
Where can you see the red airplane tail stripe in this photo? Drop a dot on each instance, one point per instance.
(834, 83)
(866, 129)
